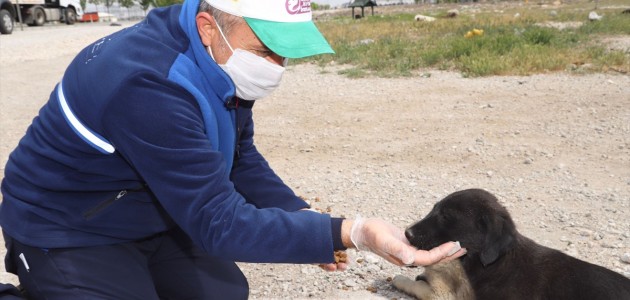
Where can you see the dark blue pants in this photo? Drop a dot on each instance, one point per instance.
(166, 266)
(9, 292)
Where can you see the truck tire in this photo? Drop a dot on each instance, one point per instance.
(39, 16)
(6, 22)
(70, 15)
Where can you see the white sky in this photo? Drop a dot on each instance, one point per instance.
(332, 3)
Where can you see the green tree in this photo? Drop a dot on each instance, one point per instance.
(145, 4)
(126, 4)
(108, 4)
(96, 3)
(160, 3)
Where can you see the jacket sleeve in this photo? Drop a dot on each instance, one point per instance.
(253, 177)
(157, 127)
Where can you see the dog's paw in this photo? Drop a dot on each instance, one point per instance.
(418, 289)
(400, 278)
(421, 277)
(402, 283)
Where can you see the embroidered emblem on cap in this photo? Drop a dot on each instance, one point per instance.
(298, 6)
(285, 26)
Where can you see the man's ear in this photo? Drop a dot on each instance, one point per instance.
(206, 26)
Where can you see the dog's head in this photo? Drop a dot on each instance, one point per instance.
(474, 218)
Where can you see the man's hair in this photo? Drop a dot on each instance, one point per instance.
(224, 20)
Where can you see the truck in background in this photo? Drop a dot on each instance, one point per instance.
(38, 12)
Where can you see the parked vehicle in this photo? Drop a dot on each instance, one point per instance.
(7, 15)
(89, 17)
(37, 12)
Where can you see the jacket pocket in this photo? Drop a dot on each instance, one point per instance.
(92, 212)
(103, 205)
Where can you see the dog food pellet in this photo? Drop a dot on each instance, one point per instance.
(341, 257)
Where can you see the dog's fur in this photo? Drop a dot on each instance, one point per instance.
(503, 264)
(444, 281)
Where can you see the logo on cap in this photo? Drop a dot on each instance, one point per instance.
(295, 7)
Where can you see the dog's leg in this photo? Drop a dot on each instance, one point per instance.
(419, 289)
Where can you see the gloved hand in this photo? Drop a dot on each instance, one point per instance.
(389, 242)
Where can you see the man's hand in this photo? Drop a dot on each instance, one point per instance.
(389, 242)
(443, 253)
(334, 267)
(340, 264)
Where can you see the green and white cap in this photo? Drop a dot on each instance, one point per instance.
(285, 26)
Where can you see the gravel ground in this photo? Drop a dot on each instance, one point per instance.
(554, 148)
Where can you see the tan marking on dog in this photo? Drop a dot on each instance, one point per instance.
(444, 281)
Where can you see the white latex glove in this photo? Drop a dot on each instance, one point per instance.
(389, 242)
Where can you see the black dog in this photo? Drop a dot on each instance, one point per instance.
(503, 264)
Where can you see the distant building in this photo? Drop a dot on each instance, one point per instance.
(362, 4)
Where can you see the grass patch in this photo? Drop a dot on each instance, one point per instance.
(396, 45)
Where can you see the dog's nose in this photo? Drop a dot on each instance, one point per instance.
(409, 234)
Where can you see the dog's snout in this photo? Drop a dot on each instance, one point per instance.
(409, 234)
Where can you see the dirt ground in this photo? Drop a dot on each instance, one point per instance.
(554, 148)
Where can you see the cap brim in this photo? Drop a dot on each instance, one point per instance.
(290, 39)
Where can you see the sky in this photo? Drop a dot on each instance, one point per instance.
(332, 3)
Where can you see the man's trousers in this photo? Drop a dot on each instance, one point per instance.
(165, 266)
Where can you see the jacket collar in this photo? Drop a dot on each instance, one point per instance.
(218, 79)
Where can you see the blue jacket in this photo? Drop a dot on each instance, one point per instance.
(137, 139)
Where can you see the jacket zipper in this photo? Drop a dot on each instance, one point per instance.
(101, 206)
(237, 147)
(233, 104)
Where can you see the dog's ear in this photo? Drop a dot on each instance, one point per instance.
(498, 240)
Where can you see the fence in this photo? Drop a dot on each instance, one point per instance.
(121, 13)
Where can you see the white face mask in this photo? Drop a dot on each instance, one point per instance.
(254, 76)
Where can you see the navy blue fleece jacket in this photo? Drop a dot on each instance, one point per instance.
(137, 138)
